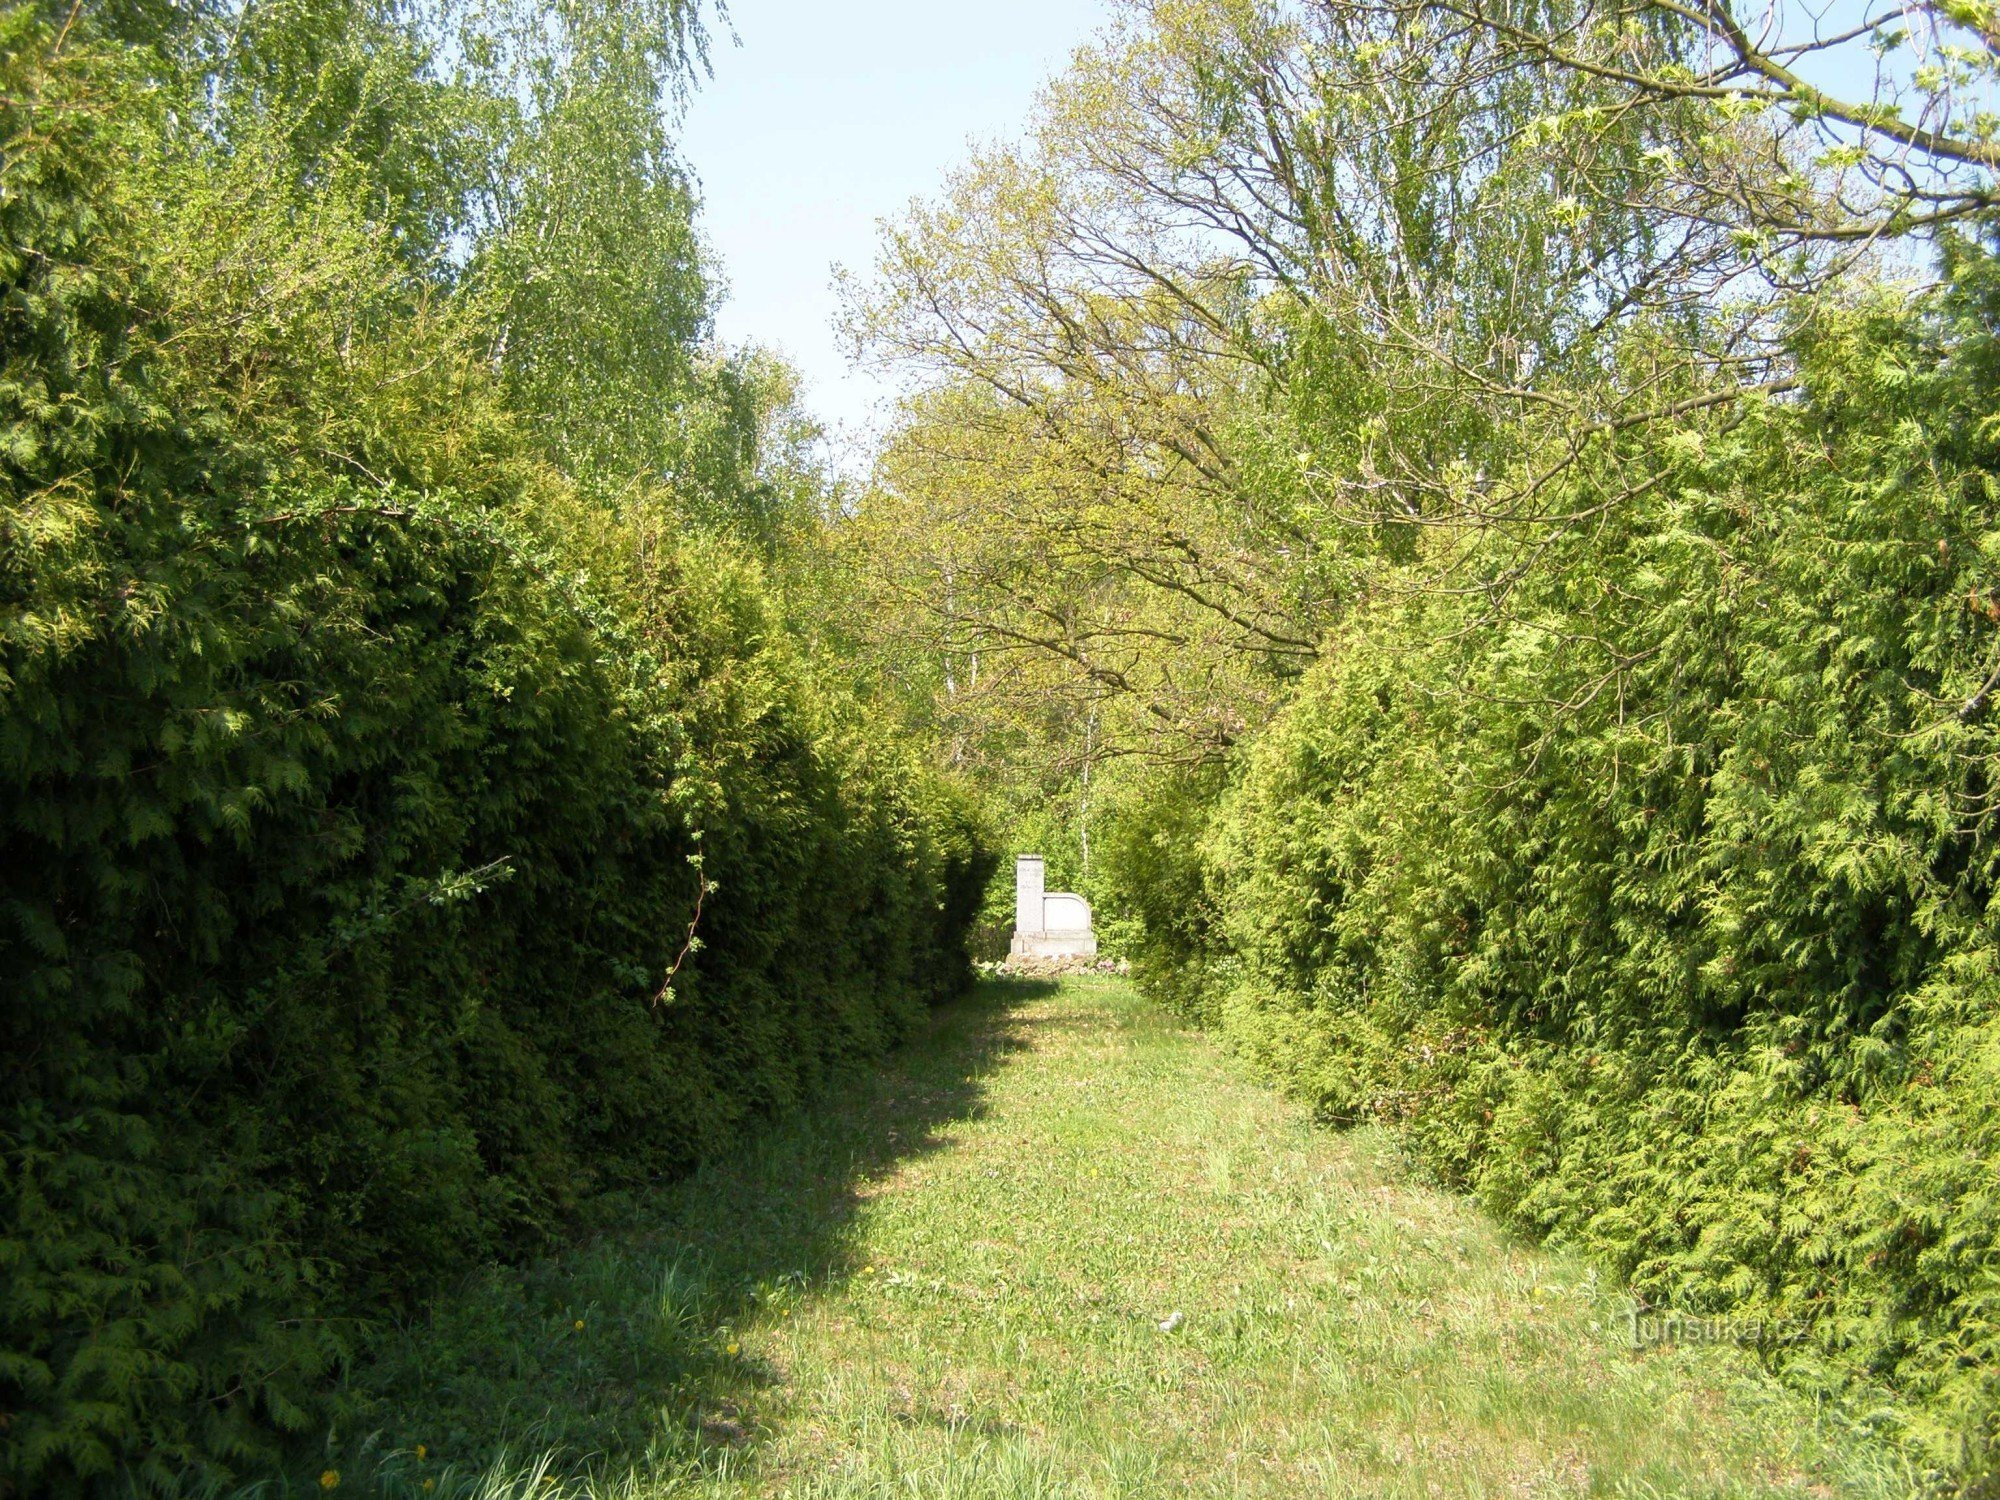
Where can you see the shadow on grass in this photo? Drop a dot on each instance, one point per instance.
(621, 1351)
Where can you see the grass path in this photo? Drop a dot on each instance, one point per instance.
(1063, 1247)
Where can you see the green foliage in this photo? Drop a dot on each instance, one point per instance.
(1647, 884)
(362, 785)
(1154, 885)
(590, 272)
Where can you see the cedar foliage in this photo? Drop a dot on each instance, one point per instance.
(1657, 908)
(361, 783)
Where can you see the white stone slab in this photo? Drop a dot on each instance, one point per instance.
(1048, 924)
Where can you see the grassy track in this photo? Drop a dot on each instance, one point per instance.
(1063, 1247)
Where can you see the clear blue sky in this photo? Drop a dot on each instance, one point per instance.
(830, 117)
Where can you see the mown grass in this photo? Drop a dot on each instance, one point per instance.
(1061, 1246)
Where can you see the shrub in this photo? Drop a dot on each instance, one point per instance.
(351, 827)
(1649, 889)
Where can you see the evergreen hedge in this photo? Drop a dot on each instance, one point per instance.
(349, 829)
(1645, 881)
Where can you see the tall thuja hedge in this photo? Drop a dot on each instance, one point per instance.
(1651, 890)
(349, 827)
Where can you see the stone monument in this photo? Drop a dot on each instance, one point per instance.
(1048, 924)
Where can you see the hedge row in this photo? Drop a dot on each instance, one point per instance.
(348, 834)
(1649, 888)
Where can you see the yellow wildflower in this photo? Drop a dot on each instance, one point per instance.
(579, 1325)
(422, 1453)
(733, 1347)
(330, 1480)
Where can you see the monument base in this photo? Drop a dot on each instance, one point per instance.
(1054, 945)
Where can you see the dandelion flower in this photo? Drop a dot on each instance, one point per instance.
(579, 1325)
(422, 1453)
(330, 1480)
(733, 1347)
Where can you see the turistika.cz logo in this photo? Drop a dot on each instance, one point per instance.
(1647, 1327)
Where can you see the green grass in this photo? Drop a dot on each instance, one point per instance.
(1061, 1246)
